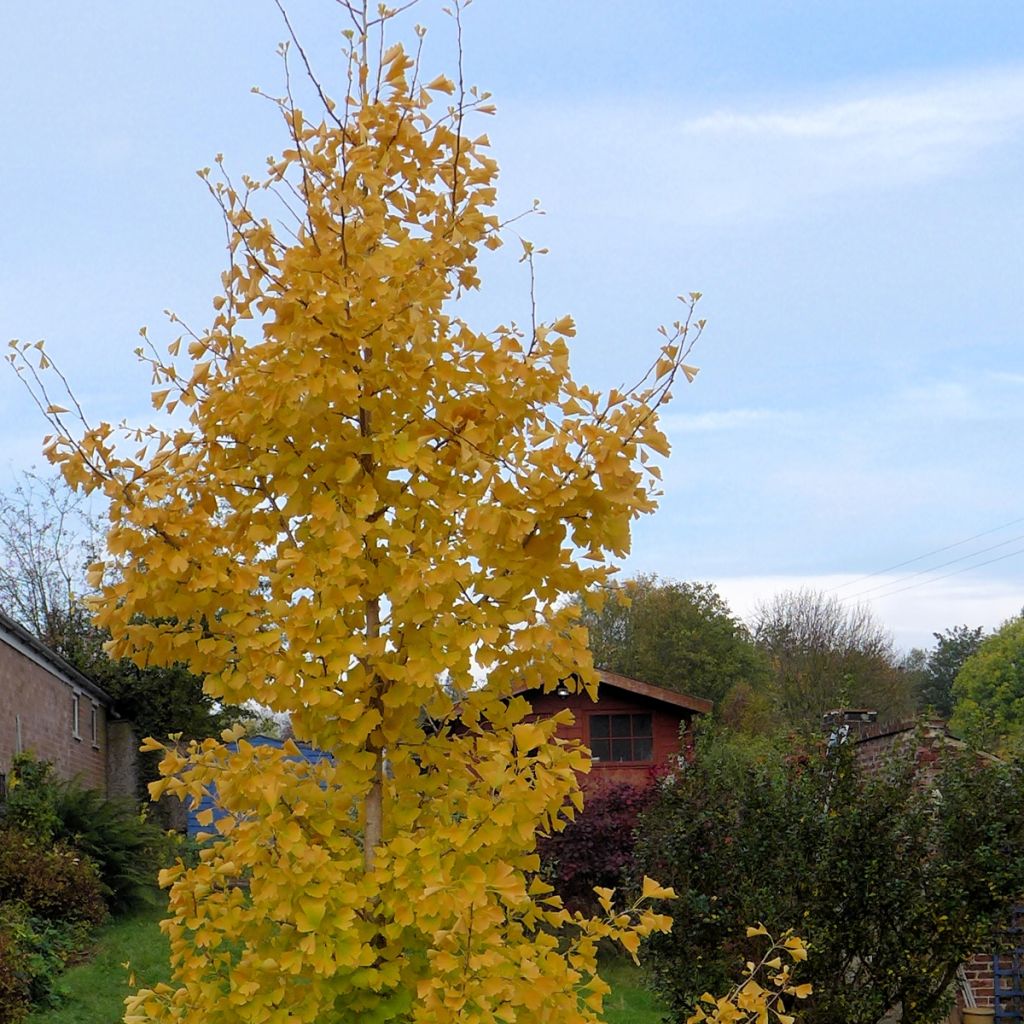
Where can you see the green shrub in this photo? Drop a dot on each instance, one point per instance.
(128, 850)
(56, 883)
(893, 879)
(14, 979)
(32, 797)
(40, 949)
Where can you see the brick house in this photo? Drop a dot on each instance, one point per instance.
(631, 729)
(996, 980)
(51, 709)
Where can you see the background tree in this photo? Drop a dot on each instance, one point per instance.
(159, 700)
(362, 502)
(989, 689)
(47, 541)
(823, 654)
(942, 665)
(680, 635)
(894, 880)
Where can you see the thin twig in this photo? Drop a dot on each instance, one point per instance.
(309, 70)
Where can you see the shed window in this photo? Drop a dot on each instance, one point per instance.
(621, 738)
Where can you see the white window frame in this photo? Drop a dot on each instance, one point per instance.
(95, 725)
(76, 714)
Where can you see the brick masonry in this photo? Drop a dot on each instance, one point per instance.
(122, 759)
(38, 699)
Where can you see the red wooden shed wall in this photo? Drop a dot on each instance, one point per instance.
(666, 723)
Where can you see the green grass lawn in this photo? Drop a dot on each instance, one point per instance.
(629, 1002)
(95, 990)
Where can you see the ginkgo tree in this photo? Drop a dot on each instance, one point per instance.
(358, 506)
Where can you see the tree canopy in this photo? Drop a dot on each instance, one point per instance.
(894, 877)
(681, 635)
(47, 541)
(989, 689)
(358, 503)
(942, 664)
(823, 654)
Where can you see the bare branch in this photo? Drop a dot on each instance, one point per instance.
(324, 99)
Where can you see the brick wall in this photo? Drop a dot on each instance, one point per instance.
(41, 703)
(877, 744)
(981, 979)
(874, 751)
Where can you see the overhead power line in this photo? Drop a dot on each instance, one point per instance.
(927, 554)
(956, 572)
(933, 568)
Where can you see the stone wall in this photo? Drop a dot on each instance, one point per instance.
(122, 759)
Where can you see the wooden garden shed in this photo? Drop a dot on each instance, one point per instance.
(631, 729)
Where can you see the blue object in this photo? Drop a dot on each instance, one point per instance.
(209, 802)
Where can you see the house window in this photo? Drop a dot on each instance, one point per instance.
(621, 738)
(75, 711)
(95, 726)
(19, 746)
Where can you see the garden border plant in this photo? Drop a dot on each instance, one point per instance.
(68, 858)
(894, 878)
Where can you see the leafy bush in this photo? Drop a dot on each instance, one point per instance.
(39, 949)
(892, 879)
(127, 849)
(15, 995)
(56, 883)
(597, 848)
(32, 797)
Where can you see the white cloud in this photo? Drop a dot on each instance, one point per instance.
(761, 160)
(972, 399)
(1003, 377)
(912, 616)
(975, 108)
(883, 138)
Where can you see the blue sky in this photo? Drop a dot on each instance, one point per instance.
(842, 181)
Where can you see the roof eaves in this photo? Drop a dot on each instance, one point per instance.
(687, 701)
(700, 705)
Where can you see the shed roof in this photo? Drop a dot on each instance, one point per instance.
(685, 701)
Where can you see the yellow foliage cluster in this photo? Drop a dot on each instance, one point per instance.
(758, 998)
(359, 505)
